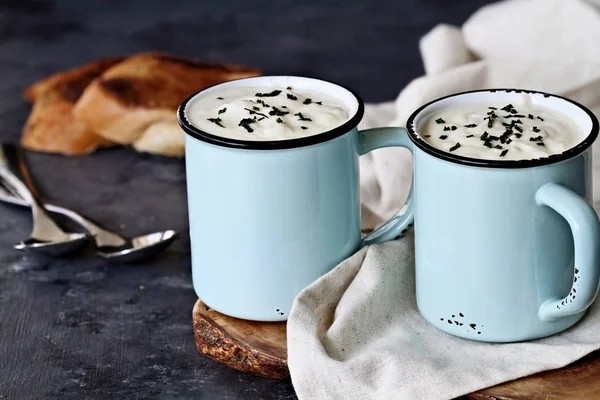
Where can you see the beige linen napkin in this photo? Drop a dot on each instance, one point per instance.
(356, 333)
(547, 45)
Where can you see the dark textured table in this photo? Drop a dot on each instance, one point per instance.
(81, 328)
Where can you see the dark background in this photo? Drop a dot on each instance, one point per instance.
(80, 328)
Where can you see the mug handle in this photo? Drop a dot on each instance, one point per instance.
(585, 227)
(376, 138)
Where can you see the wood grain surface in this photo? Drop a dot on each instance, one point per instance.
(258, 348)
(580, 380)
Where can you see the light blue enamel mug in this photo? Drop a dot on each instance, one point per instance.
(267, 218)
(504, 250)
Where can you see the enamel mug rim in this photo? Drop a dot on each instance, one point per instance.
(356, 107)
(412, 126)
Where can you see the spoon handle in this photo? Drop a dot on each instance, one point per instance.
(101, 236)
(44, 228)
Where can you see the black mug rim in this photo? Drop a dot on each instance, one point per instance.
(331, 134)
(477, 162)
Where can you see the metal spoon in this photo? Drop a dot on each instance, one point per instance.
(128, 251)
(110, 245)
(46, 237)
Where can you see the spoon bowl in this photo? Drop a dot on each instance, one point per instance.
(54, 248)
(110, 245)
(46, 236)
(140, 247)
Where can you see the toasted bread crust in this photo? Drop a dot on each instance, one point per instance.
(145, 89)
(71, 83)
(51, 126)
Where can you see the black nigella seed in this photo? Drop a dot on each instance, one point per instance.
(303, 127)
(291, 96)
(484, 136)
(319, 103)
(456, 146)
(302, 117)
(450, 322)
(492, 137)
(536, 129)
(508, 141)
(530, 116)
(308, 100)
(255, 112)
(513, 111)
(503, 153)
(221, 111)
(487, 143)
(245, 123)
(470, 136)
(461, 314)
(426, 135)
(216, 121)
(262, 103)
(276, 111)
(288, 88)
(498, 147)
(279, 120)
(507, 107)
(473, 326)
(271, 94)
(540, 143)
(453, 127)
(540, 118)
(492, 108)
(446, 128)
(470, 126)
(440, 121)
(443, 137)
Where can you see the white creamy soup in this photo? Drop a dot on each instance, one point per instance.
(266, 113)
(501, 131)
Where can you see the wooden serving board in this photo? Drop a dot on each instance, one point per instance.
(260, 348)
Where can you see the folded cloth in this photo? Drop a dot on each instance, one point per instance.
(356, 333)
(546, 45)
